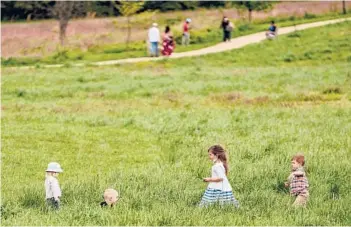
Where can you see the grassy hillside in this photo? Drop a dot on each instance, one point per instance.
(144, 129)
(202, 35)
(85, 37)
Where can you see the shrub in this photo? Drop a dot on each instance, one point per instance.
(332, 90)
(308, 55)
(309, 16)
(21, 93)
(245, 27)
(61, 55)
(289, 57)
(294, 35)
(292, 18)
(18, 61)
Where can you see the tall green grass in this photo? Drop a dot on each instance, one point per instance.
(144, 129)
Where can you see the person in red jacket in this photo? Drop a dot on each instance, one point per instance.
(186, 33)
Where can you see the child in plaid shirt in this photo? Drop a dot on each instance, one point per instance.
(297, 181)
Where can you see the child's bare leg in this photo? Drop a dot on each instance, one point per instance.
(301, 201)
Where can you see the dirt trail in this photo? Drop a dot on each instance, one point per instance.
(234, 44)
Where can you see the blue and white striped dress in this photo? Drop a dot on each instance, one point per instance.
(219, 192)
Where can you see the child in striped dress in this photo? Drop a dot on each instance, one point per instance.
(219, 189)
(298, 182)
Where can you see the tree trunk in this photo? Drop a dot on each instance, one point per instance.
(250, 15)
(111, 9)
(63, 27)
(29, 17)
(129, 31)
(344, 7)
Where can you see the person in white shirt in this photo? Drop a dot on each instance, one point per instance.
(52, 187)
(154, 39)
(219, 189)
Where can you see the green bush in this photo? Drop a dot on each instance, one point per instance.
(245, 27)
(19, 61)
(332, 90)
(61, 55)
(308, 55)
(21, 93)
(292, 18)
(289, 57)
(309, 15)
(172, 21)
(294, 35)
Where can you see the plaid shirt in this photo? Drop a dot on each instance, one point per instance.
(298, 183)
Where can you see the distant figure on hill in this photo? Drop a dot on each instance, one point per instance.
(168, 42)
(227, 27)
(272, 31)
(186, 32)
(154, 39)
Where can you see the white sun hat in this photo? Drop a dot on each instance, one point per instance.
(54, 167)
(188, 20)
(110, 196)
(154, 24)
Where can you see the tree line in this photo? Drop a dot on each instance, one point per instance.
(37, 10)
(63, 11)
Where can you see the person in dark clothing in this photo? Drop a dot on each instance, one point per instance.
(103, 204)
(272, 30)
(227, 27)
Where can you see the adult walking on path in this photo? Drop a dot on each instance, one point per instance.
(186, 32)
(154, 39)
(168, 43)
(227, 27)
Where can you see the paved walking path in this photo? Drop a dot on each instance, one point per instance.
(234, 44)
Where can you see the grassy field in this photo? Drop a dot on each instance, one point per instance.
(200, 38)
(144, 129)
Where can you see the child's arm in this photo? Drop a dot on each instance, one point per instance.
(214, 179)
(288, 182)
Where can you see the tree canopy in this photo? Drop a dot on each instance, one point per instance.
(22, 10)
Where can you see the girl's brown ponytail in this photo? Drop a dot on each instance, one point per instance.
(221, 155)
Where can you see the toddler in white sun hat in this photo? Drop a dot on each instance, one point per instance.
(52, 187)
(110, 197)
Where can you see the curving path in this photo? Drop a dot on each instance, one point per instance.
(234, 44)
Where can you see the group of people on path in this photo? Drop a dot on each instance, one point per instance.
(168, 42)
(219, 191)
